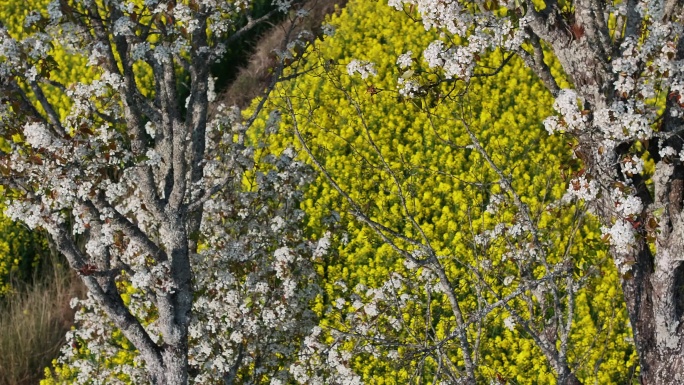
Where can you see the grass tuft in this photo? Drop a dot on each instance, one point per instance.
(33, 321)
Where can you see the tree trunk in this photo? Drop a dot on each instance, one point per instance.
(173, 369)
(176, 365)
(570, 379)
(652, 282)
(653, 287)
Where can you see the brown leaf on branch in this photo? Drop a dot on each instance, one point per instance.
(577, 31)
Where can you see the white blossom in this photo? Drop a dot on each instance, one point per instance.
(282, 5)
(328, 29)
(404, 60)
(37, 135)
(408, 88)
(632, 166)
(584, 189)
(54, 10)
(621, 236)
(667, 151)
(32, 18)
(509, 323)
(363, 68)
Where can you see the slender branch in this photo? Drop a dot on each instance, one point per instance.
(109, 298)
(53, 117)
(100, 206)
(536, 63)
(356, 209)
(251, 23)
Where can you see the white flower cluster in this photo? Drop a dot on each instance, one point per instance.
(626, 205)
(621, 123)
(185, 15)
(450, 15)
(566, 104)
(363, 68)
(509, 323)
(282, 5)
(455, 18)
(37, 135)
(667, 151)
(405, 60)
(96, 335)
(32, 18)
(632, 165)
(621, 236)
(495, 201)
(457, 62)
(54, 10)
(583, 189)
(328, 29)
(408, 88)
(376, 316)
(323, 245)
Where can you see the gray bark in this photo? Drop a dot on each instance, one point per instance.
(653, 287)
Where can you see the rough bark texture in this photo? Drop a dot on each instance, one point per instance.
(653, 286)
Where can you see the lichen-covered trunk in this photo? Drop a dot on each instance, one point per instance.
(174, 367)
(653, 286)
(176, 364)
(663, 369)
(652, 273)
(175, 309)
(652, 296)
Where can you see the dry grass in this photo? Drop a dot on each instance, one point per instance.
(33, 322)
(253, 79)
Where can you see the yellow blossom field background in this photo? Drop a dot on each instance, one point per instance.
(449, 185)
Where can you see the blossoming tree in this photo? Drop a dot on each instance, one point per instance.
(624, 112)
(188, 240)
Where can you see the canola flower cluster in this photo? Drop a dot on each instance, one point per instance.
(20, 251)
